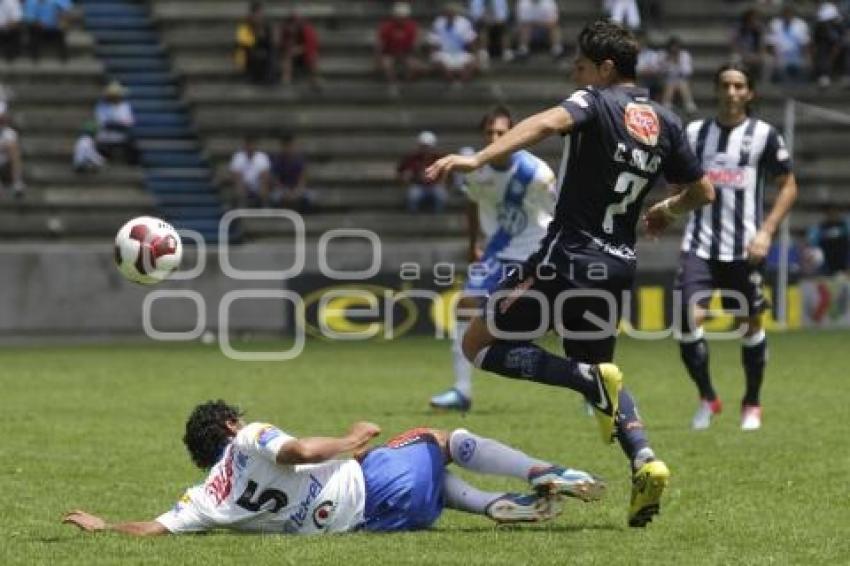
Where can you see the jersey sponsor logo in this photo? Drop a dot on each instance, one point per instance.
(512, 219)
(729, 177)
(642, 123)
(296, 519)
(219, 486)
(322, 514)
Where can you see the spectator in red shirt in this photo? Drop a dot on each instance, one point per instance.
(396, 45)
(299, 49)
(422, 194)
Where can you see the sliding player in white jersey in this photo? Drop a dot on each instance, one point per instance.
(264, 480)
(511, 201)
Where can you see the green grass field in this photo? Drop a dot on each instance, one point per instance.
(99, 428)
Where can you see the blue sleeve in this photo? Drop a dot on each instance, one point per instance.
(581, 106)
(775, 156)
(681, 166)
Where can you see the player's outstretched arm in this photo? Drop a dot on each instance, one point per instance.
(92, 523)
(319, 449)
(555, 120)
(760, 245)
(690, 197)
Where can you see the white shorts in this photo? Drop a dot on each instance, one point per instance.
(452, 61)
(529, 12)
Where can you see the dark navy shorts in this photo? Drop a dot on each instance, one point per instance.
(579, 293)
(739, 281)
(404, 483)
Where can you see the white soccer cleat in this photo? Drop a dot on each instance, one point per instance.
(516, 508)
(750, 417)
(705, 411)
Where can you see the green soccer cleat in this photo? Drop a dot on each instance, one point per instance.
(648, 485)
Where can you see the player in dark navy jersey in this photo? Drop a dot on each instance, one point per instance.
(725, 243)
(618, 144)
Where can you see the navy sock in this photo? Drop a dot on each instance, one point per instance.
(630, 432)
(753, 358)
(524, 360)
(695, 357)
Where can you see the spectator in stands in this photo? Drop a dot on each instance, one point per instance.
(490, 18)
(299, 50)
(452, 38)
(537, 24)
(11, 162)
(624, 12)
(396, 46)
(250, 171)
(651, 12)
(832, 237)
(789, 42)
(830, 47)
(289, 177)
(115, 121)
(678, 68)
(650, 67)
(421, 194)
(86, 157)
(749, 45)
(47, 21)
(10, 28)
(255, 46)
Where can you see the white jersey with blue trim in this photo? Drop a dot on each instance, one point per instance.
(515, 205)
(248, 491)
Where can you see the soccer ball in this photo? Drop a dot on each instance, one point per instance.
(147, 250)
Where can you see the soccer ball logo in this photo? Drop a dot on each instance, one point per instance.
(147, 250)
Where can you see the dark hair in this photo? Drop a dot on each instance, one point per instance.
(207, 434)
(603, 40)
(736, 66)
(498, 111)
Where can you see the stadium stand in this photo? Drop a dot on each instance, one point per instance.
(352, 132)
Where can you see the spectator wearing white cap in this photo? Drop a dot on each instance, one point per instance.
(396, 46)
(830, 48)
(115, 121)
(11, 162)
(422, 194)
(10, 28)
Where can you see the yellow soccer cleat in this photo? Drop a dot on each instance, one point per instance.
(648, 485)
(609, 381)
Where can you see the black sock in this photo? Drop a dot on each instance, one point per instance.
(630, 432)
(524, 360)
(753, 358)
(695, 358)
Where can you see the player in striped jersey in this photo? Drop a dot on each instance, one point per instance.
(725, 242)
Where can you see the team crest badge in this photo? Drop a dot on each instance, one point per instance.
(322, 514)
(642, 123)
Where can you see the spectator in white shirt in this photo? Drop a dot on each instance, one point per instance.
(115, 122)
(537, 22)
(677, 68)
(250, 171)
(650, 67)
(789, 41)
(452, 38)
(11, 162)
(10, 28)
